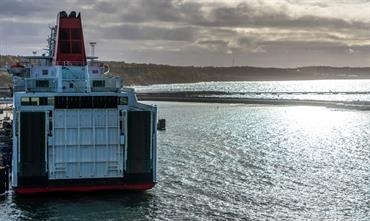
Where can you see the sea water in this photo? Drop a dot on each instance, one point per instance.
(323, 90)
(237, 162)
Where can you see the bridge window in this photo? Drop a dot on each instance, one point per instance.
(123, 101)
(43, 101)
(42, 83)
(50, 100)
(25, 101)
(35, 101)
(71, 102)
(30, 101)
(98, 83)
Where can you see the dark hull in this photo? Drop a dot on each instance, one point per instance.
(84, 188)
(131, 182)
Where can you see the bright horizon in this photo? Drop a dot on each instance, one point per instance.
(259, 33)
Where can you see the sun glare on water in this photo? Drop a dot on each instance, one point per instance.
(316, 120)
(316, 131)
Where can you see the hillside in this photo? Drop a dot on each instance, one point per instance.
(5, 79)
(145, 74)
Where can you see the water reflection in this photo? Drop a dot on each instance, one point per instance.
(237, 162)
(266, 162)
(324, 90)
(97, 206)
(268, 86)
(316, 120)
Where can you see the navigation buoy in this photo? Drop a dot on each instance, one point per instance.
(161, 125)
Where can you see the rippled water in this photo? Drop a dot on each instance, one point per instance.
(327, 90)
(246, 162)
(272, 86)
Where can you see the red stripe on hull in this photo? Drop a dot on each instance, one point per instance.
(56, 189)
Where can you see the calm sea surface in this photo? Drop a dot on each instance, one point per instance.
(237, 162)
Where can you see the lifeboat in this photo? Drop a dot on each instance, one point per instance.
(17, 68)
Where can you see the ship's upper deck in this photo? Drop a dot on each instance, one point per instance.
(36, 74)
(65, 68)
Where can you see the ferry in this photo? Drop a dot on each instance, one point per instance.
(76, 129)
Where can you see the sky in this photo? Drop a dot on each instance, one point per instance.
(264, 33)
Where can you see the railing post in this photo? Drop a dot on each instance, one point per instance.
(7, 178)
(2, 180)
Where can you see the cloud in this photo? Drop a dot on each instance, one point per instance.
(212, 29)
(253, 13)
(147, 32)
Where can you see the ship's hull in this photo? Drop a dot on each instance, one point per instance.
(84, 188)
(60, 148)
(41, 185)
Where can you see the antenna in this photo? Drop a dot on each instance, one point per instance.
(92, 45)
(51, 40)
(92, 51)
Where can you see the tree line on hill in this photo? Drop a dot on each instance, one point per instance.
(146, 74)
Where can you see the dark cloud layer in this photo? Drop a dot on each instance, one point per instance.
(189, 32)
(134, 32)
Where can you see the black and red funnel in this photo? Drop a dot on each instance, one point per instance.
(70, 48)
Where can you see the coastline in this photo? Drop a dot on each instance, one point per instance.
(199, 98)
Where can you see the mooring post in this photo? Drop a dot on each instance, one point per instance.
(161, 125)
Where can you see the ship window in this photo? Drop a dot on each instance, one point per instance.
(86, 102)
(113, 102)
(99, 102)
(60, 102)
(70, 102)
(100, 83)
(35, 101)
(45, 72)
(42, 83)
(43, 101)
(50, 100)
(105, 102)
(25, 101)
(123, 101)
(74, 102)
